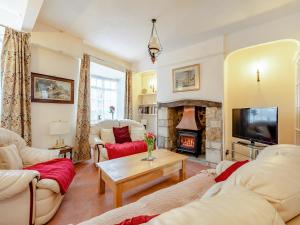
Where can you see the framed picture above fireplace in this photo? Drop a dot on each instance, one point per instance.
(186, 78)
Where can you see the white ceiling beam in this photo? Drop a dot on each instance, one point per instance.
(31, 13)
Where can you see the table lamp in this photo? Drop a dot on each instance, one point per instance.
(59, 128)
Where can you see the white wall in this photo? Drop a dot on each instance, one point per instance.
(282, 28)
(52, 63)
(210, 56)
(58, 54)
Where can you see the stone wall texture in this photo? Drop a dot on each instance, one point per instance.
(212, 131)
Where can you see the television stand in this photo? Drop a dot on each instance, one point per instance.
(253, 149)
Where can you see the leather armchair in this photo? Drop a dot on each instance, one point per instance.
(24, 198)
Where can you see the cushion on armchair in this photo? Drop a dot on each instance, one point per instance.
(107, 136)
(129, 148)
(137, 133)
(10, 158)
(121, 134)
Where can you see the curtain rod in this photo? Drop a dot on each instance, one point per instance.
(109, 63)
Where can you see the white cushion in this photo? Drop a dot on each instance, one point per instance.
(276, 178)
(10, 158)
(238, 206)
(283, 149)
(107, 136)
(8, 137)
(137, 133)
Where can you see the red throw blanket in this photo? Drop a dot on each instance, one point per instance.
(129, 148)
(137, 220)
(61, 170)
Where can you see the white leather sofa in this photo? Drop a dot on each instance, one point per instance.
(264, 191)
(97, 143)
(24, 199)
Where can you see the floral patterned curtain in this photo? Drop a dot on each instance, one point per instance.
(16, 78)
(128, 95)
(82, 147)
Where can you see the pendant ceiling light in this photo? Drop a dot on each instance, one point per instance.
(154, 45)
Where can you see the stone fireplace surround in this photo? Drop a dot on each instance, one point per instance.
(210, 116)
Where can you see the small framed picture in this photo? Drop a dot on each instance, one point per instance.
(50, 89)
(186, 78)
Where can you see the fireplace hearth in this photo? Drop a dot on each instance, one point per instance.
(209, 128)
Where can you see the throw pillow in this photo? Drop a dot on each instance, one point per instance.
(10, 158)
(107, 136)
(274, 178)
(137, 133)
(226, 173)
(121, 134)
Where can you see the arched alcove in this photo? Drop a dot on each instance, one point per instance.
(277, 86)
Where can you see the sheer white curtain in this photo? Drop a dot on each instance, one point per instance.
(107, 89)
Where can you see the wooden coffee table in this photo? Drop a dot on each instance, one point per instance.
(125, 173)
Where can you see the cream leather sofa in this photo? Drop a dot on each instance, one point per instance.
(272, 181)
(97, 144)
(24, 199)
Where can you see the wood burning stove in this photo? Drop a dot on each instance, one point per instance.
(189, 141)
(189, 132)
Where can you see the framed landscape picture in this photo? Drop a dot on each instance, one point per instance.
(186, 78)
(50, 89)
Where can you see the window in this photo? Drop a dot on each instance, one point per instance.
(107, 89)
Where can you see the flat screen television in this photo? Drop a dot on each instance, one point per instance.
(256, 124)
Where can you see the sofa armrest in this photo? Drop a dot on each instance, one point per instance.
(13, 182)
(32, 156)
(95, 140)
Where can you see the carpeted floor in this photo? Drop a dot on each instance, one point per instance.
(82, 201)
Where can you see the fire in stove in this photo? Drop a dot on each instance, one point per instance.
(187, 142)
(189, 132)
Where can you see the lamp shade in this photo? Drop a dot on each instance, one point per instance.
(59, 128)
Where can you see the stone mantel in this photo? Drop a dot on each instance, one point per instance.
(189, 102)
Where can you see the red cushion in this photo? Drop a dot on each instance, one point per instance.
(226, 173)
(137, 220)
(129, 148)
(121, 134)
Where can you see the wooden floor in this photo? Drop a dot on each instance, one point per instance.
(82, 201)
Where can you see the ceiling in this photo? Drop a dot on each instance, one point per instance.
(122, 28)
(20, 15)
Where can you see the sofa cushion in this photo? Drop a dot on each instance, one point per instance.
(137, 133)
(10, 158)
(129, 148)
(8, 137)
(282, 149)
(234, 207)
(276, 178)
(107, 136)
(121, 134)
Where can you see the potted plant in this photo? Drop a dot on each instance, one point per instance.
(150, 141)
